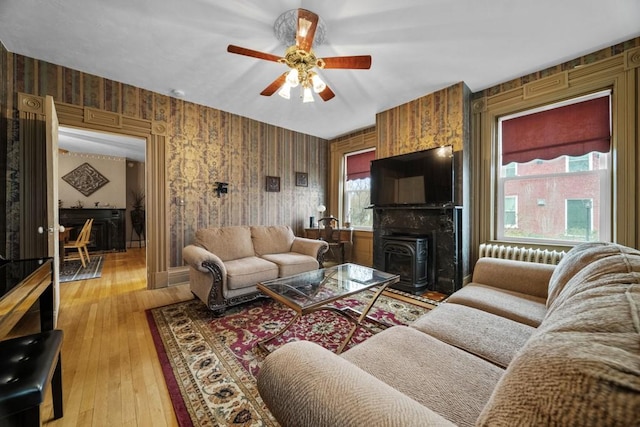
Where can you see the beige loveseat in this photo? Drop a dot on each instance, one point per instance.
(524, 344)
(226, 263)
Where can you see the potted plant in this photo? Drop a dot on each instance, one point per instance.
(137, 214)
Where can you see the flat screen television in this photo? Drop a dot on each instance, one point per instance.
(423, 178)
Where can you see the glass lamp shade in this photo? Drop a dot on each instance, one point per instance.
(292, 78)
(318, 84)
(285, 91)
(307, 96)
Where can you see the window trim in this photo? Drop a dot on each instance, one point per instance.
(609, 73)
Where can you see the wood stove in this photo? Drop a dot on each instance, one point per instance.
(408, 256)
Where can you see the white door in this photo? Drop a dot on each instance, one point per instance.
(53, 242)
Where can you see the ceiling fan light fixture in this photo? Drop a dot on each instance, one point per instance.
(292, 77)
(318, 84)
(307, 95)
(285, 91)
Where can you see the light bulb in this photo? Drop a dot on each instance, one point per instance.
(292, 77)
(318, 84)
(307, 95)
(285, 91)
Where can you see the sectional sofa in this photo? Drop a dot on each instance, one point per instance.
(523, 344)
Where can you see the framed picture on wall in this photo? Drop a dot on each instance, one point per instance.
(273, 184)
(302, 179)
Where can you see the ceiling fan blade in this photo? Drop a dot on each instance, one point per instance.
(274, 86)
(307, 24)
(253, 53)
(326, 94)
(361, 62)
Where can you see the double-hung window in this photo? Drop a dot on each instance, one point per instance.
(554, 185)
(357, 187)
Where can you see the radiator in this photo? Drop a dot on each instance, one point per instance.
(542, 256)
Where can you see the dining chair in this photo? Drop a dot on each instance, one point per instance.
(327, 227)
(82, 242)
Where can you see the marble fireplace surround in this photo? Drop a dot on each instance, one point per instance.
(443, 228)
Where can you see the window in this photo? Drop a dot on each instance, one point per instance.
(579, 163)
(579, 219)
(357, 186)
(554, 185)
(511, 211)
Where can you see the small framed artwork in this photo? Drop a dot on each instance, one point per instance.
(302, 179)
(273, 183)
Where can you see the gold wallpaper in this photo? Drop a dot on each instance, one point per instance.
(433, 120)
(205, 145)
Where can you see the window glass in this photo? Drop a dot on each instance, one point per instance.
(564, 199)
(579, 214)
(510, 211)
(579, 163)
(357, 187)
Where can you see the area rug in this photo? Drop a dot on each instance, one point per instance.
(210, 364)
(73, 270)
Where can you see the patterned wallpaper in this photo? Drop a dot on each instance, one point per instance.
(439, 118)
(204, 145)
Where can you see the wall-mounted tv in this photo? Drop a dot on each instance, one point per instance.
(423, 178)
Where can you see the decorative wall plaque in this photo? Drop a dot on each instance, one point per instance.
(85, 179)
(302, 179)
(273, 183)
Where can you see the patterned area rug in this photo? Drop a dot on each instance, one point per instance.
(210, 364)
(73, 270)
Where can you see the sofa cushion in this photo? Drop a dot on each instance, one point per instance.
(445, 379)
(516, 306)
(271, 239)
(600, 265)
(575, 260)
(582, 365)
(227, 243)
(291, 263)
(491, 337)
(245, 272)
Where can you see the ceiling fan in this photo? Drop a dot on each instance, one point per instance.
(301, 60)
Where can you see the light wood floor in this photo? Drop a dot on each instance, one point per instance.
(111, 375)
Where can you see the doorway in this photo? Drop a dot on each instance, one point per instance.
(116, 163)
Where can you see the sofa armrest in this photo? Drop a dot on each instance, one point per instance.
(198, 258)
(528, 278)
(303, 384)
(311, 247)
(207, 276)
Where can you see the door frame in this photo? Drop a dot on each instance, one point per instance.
(155, 134)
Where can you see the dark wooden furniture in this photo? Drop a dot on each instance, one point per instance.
(22, 283)
(341, 236)
(28, 364)
(107, 231)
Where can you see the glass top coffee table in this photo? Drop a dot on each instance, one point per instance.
(315, 290)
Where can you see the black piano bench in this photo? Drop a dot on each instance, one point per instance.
(27, 365)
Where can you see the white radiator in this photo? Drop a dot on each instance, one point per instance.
(542, 256)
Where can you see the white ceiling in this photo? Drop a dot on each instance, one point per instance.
(91, 142)
(417, 47)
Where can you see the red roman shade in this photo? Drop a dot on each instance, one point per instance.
(359, 165)
(572, 130)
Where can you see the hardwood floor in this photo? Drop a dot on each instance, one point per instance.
(111, 375)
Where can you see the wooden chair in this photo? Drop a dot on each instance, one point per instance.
(81, 242)
(330, 224)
